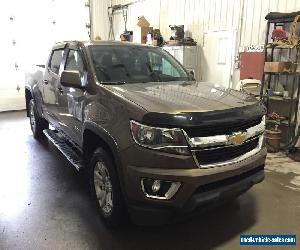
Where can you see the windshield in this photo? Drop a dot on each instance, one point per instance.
(133, 64)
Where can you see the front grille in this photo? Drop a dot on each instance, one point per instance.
(221, 129)
(222, 154)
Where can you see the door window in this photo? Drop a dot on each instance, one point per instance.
(55, 61)
(74, 61)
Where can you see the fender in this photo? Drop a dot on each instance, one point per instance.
(103, 134)
(28, 88)
(31, 88)
(112, 144)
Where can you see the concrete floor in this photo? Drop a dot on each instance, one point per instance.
(44, 204)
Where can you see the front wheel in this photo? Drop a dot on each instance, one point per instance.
(106, 188)
(37, 123)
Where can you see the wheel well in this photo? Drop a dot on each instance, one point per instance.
(28, 97)
(91, 141)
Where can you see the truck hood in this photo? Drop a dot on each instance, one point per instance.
(182, 97)
(191, 104)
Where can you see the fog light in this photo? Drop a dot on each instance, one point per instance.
(156, 186)
(159, 189)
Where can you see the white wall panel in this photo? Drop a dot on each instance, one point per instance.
(99, 18)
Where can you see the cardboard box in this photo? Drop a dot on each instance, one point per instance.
(142, 22)
(140, 34)
(277, 67)
(141, 31)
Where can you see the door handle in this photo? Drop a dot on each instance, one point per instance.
(61, 91)
(46, 81)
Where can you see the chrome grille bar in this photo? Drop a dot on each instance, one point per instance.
(221, 141)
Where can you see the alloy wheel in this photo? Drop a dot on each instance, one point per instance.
(103, 187)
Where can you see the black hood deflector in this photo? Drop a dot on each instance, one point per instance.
(206, 119)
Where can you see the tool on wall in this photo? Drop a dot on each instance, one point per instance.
(111, 11)
(111, 35)
(177, 32)
(126, 36)
(124, 13)
(178, 36)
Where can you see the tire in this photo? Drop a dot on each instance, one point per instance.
(37, 123)
(105, 188)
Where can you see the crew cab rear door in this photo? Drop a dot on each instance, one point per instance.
(51, 84)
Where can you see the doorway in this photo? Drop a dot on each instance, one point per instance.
(218, 57)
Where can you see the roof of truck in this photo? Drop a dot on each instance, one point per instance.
(102, 42)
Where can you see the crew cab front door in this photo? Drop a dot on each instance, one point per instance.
(71, 100)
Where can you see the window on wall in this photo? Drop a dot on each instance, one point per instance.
(55, 61)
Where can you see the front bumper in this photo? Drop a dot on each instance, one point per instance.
(198, 187)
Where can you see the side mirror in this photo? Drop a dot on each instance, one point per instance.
(70, 78)
(192, 74)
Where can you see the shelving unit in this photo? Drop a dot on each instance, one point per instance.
(280, 90)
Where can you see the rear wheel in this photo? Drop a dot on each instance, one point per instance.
(37, 123)
(106, 188)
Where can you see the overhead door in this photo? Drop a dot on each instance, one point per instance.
(28, 30)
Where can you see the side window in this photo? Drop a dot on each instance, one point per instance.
(168, 69)
(163, 66)
(74, 61)
(155, 61)
(56, 59)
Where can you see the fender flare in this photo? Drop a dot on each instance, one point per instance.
(30, 88)
(111, 143)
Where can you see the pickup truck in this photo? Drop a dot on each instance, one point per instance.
(154, 143)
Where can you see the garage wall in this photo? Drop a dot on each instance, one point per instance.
(246, 17)
(28, 31)
(254, 24)
(198, 16)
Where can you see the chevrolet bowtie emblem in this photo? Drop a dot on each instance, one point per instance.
(237, 138)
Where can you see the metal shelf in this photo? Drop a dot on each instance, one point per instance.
(283, 73)
(289, 80)
(271, 46)
(281, 99)
(284, 122)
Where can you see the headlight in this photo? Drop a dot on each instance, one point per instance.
(163, 139)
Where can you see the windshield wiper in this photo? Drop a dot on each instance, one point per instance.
(112, 82)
